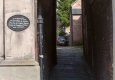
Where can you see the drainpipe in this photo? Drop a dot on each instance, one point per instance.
(40, 40)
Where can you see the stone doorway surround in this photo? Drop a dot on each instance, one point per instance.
(17, 47)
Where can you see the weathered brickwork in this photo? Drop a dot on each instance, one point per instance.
(77, 30)
(49, 15)
(98, 37)
(87, 33)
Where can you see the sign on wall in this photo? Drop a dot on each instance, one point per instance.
(18, 23)
(19, 30)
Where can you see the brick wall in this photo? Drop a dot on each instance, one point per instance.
(77, 29)
(98, 33)
(87, 33)
(49, 32)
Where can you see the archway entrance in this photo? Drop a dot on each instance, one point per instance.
(97, 36)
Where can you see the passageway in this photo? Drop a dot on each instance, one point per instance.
(71, 65)
(97, 28)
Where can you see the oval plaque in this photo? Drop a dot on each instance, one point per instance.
(18, 23)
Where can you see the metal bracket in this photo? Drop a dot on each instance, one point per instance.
(41, 56)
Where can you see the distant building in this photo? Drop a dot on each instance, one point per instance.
(76, 23)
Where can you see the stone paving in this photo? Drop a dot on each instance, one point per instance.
(71, 65)
(19, 73)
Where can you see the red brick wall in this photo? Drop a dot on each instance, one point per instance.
(77, 29)
(103, 38)
(49, 32)
(98, 40)
(87, 33)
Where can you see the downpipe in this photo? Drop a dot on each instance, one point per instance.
(40, 40)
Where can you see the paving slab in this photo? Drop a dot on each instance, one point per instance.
(19, 73)
(71, 65)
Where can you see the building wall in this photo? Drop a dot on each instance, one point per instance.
(113, 5)
(87, 33)
(76, 23)
(77, 29)
(98, 37)
(49, 32)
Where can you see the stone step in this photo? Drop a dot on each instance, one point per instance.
(18, 63)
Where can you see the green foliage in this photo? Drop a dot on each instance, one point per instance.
(63, 11)
(62, 33)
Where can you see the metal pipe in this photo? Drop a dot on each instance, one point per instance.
(40, 40)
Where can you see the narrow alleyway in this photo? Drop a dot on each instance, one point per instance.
(71, 65)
